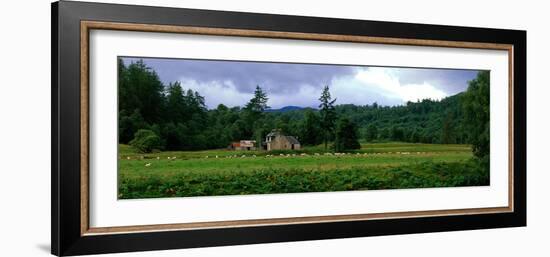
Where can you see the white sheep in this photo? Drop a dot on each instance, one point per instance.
(148, 164)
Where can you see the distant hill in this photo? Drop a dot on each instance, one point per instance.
(288, 109)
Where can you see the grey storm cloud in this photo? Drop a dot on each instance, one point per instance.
(451, 81)
(232, 82)
(273, 77)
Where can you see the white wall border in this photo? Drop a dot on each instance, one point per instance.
(106, 210)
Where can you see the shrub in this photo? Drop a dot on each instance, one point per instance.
(146, 141)
(272, 180)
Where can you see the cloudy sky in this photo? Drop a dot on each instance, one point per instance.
(232, 82)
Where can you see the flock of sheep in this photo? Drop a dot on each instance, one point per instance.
(280, 155)
(305, 154)
(284, 155)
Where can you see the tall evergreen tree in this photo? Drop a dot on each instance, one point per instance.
(176, 106)
(141, 89)
(258, 104)
(476, 106)
(254, 112)
(346, 136)
(328, 115)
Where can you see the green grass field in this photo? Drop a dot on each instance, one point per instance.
(223, 172)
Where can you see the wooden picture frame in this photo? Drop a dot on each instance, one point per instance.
(71, 25)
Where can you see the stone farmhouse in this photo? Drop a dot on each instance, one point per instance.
(276, 140)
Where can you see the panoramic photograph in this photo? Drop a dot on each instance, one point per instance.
(191, 127)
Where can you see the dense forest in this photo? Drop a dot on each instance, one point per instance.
(169, 117)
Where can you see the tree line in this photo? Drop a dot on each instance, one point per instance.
(173, 118)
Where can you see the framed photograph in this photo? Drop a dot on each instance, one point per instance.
(178, 128)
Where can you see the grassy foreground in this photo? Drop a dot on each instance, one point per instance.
(223, 172)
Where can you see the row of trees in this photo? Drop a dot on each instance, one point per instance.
(181, 121)
(152, 115)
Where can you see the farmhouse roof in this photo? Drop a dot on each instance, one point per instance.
(292, 140)
(273, 133)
